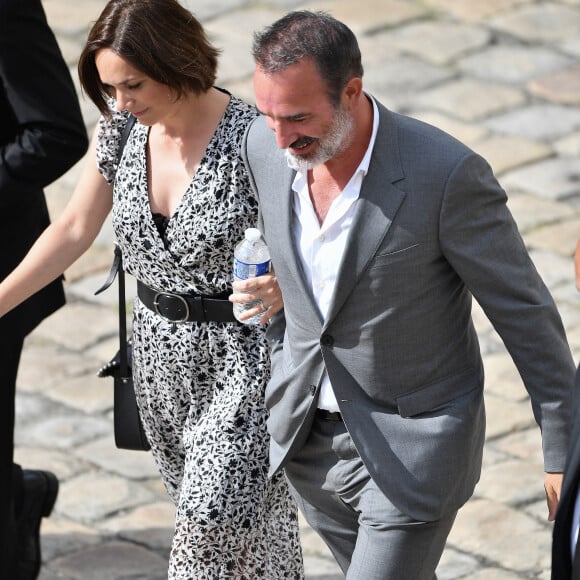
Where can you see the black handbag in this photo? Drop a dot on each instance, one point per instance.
(129, 433)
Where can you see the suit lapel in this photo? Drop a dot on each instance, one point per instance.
(279, 203)
(375, 211)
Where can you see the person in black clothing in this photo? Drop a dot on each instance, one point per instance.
(565, 553)
(42, 135)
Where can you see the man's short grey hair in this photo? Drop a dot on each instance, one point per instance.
(303, 34)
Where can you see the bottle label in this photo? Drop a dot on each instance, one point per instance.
(242, 271)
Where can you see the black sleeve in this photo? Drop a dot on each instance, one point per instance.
(42, 133)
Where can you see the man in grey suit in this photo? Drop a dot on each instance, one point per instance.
(381, 228)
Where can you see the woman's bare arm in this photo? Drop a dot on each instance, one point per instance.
(65, 240)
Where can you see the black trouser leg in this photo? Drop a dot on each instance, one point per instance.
(10, 474)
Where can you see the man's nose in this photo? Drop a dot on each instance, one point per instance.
(285, 135)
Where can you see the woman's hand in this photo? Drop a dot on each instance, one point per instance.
(265, 289)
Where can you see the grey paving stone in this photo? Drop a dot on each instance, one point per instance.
(571, 46)
(86, 393)
(69, 326)
(513, 63)
(312, 543)
(545, 22)
(72, 19)
(539, 121)
(370, 15)
(205, 10)
(502, 379)
(62, 536)
(84, 289)
(62, 431)
(232, 33)
(505, 152)
(556, 178)
(538, 510)
(480, 320)
(525, 445)
(568, 305)
(438, 42)
(397, 80)
(113, 561)
(569, 145)
(468, 133)
(559, 238)
(555, 269)
(491, 455)
(60, 462)
(45, 364)
(318, 568)
(490, 343)
(562, 86)
(531, 211)
(471, 11)
(497, 481)
(502, 535)
(493, 573)
(574, 341)
(505, 416)
(469, 99)
(109, 495)
(150, 525)
(134, 465)
(454, 565)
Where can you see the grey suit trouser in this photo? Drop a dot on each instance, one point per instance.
(369, 537)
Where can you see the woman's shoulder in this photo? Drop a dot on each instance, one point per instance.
(110, 129)
(240, 109)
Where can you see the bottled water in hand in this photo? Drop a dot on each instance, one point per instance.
(251, 259)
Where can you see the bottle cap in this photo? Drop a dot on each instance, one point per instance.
(253, 234)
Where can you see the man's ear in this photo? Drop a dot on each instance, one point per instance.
(352, 93)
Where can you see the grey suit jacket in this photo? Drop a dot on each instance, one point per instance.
(431, 229)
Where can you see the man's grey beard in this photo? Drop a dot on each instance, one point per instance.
(338, 137)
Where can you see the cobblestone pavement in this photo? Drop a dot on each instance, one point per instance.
(503, 76)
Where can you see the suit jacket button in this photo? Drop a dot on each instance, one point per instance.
(327, 340)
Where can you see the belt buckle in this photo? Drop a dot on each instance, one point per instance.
(170, 295)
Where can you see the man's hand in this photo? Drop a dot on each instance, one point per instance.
(553, 488)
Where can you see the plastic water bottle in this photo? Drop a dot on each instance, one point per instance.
(251, 259)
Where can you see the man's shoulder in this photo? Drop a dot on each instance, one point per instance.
(414, 130)
(260, 144)
(259, 135)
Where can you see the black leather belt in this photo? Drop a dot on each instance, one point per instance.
(186, 307)
(328, 415)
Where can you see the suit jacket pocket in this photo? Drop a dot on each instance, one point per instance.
(434, 395)
(387, 258)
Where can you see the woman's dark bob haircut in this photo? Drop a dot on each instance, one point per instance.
(160, 38)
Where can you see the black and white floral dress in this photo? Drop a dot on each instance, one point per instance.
(200, 386)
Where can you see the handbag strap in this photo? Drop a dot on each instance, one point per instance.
(123, 364)
(117, 270)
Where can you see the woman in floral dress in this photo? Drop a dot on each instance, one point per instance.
(181, 201)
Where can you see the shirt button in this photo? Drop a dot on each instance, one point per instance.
(321, 238)
(327, 340)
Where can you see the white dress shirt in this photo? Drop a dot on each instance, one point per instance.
(321, 247)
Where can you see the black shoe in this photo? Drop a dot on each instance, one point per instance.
(39, 492)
